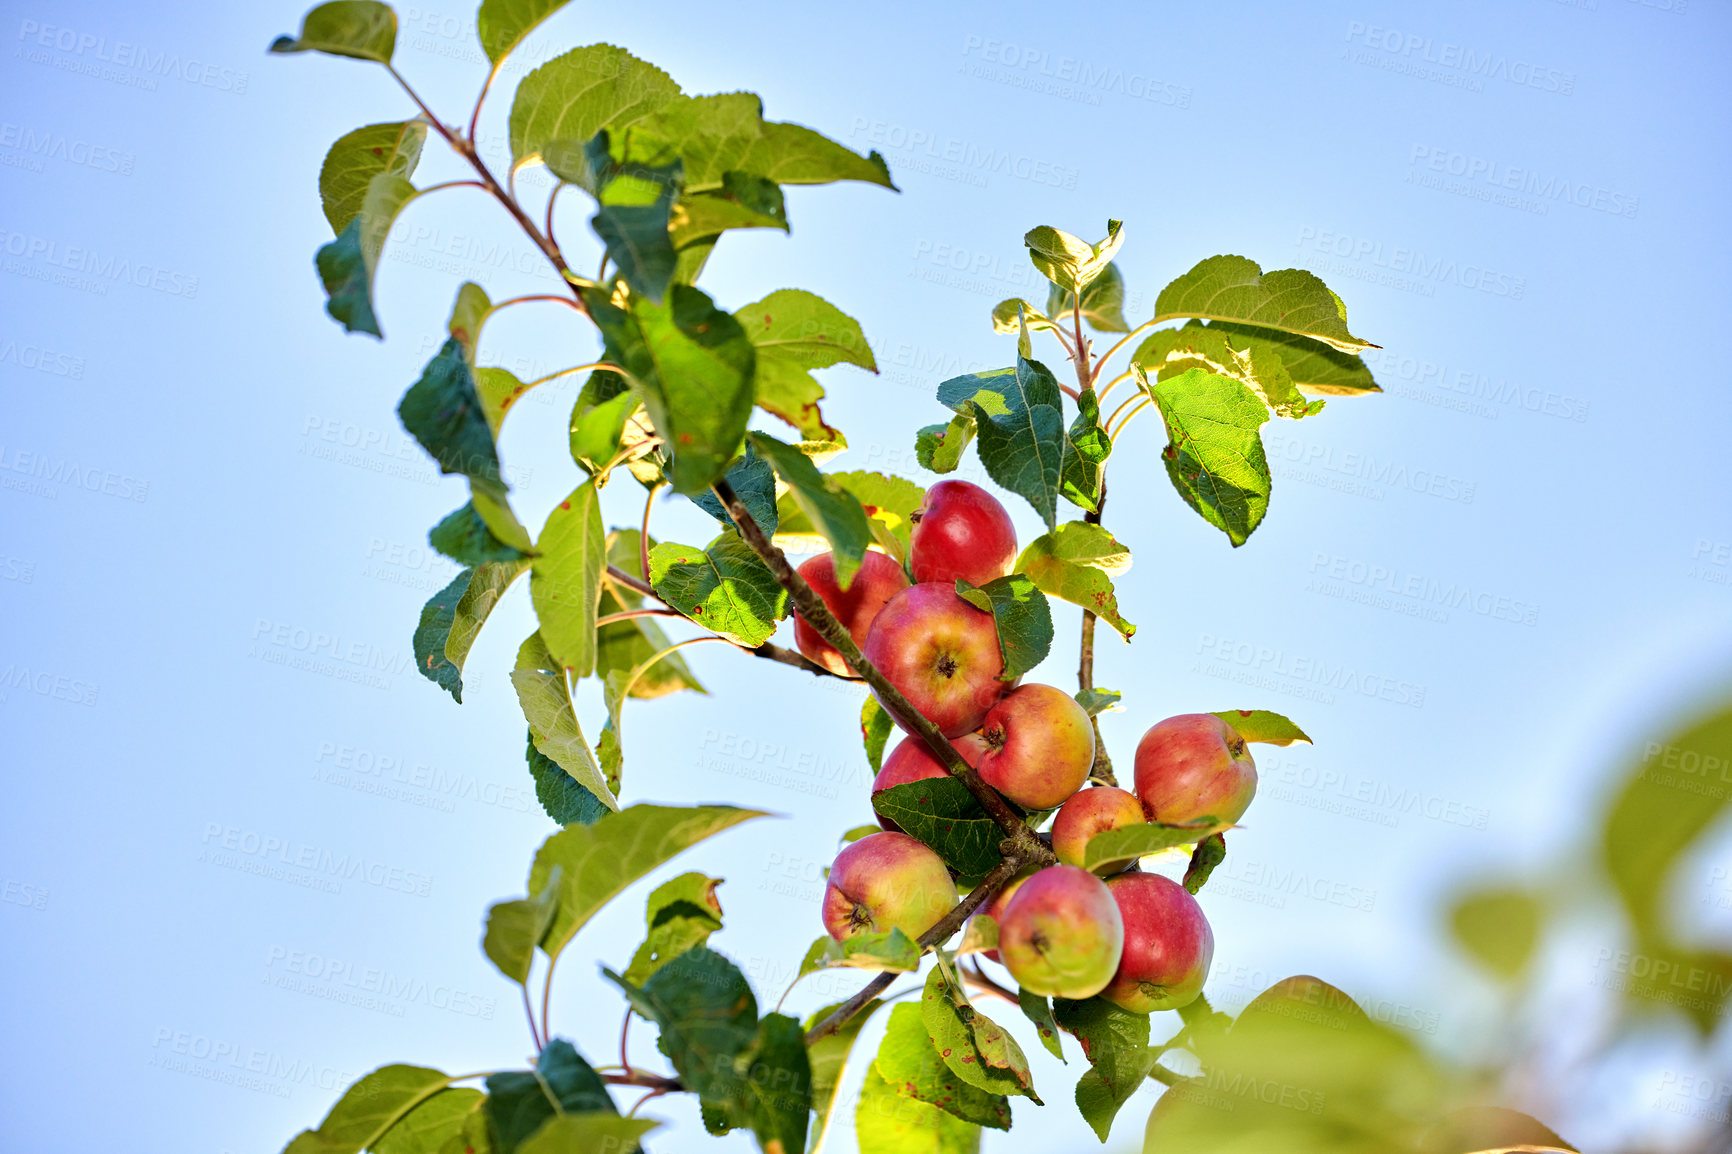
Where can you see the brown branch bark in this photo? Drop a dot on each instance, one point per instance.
(818, 616)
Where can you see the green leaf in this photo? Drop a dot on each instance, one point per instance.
(520, 1102)
(1103, 303)
(754, 482)
(724, 588)
(699, 219)
(1022, 616)
(600, 860)
(487, 584)
(443, 411)
(554, 733)
(502, 24)
(1232, 288)
(369, 1108)
(885, 1122)
(359, 156)
(1105, 1031)
(1314, 367)
(468, 313)
(716, 135)
(708, 1019)
(574, 96)
(1099, 701)
(623, 646)
(597, 435)
(1076, 562)
(429, 1126)
(909, 1061)
(940, 447)
(942, 813)
(1218, 349)
(565, 581)
(633, 225)
(888, 502)
(979, 935)
(465, 538)
(1210, 852)
(1129, 842)
(1104, 1089)
(828, 1057)
(681, 913)
(515, 928)
(347, 264)
(1215, 454)
(1498, 927)
(796, 332)
(831, 509)
(892, 950)
(1019, 417)
(1037, 1010)
(1008, 317)
(776, 1086)
(1086, 448)
(495, 512)
(587, 1133)
(563, 798)
(1264, 726)
(972, 1045)
(431, 633)
(875, 730)
(1068, 262)
(360, 29)
(691, 365)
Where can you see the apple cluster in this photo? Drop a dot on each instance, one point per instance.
(1138, 939)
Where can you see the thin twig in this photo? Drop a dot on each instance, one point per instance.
(628, 614)
(643, 532)
(529, 1012)
(975, 977)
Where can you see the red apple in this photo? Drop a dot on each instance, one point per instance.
(886, 880)
(1090, 812)
(1195, 765)
(1062, 933)
(942, 653)
(912, 761)
(1040, 746)
(994, 909)
(961, 531)
(1168, 945)
(878, 579)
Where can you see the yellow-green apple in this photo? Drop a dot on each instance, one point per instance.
(1090, 812)
(1168, 945)
(961, 530)
(1040, 746)
(912, 761)
(942, 653)
(878, 579)
(1192, 766)
(1062, 934)
(885, 881)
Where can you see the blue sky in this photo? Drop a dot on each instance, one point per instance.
(213, 547)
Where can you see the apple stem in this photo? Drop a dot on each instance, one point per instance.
(1102, 770)
(817, 614)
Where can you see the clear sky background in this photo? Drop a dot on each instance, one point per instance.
(200, 474)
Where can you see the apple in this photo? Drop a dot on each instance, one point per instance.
(961, 530)
(994, 909)
(1062, 933)
(942, 653)
(1168, 945)
(1091, 812)
(1301, 999)
(885, 881)
(1195, 765)
(912, 761)
(878, 579)
(1040, 746)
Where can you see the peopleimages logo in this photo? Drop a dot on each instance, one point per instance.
(88, 261)
(88, 51)
(1429, 58)
(1500, 176)
(1410, 262)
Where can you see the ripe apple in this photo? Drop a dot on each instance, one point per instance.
(1090, 812)
(912, 761)
(994, 909)
(961, 531)
(878, 579)
(1062, 933)
(942, 653)
(886, 880)
(1168, 945)
(1040, 746)
(1195, 765)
